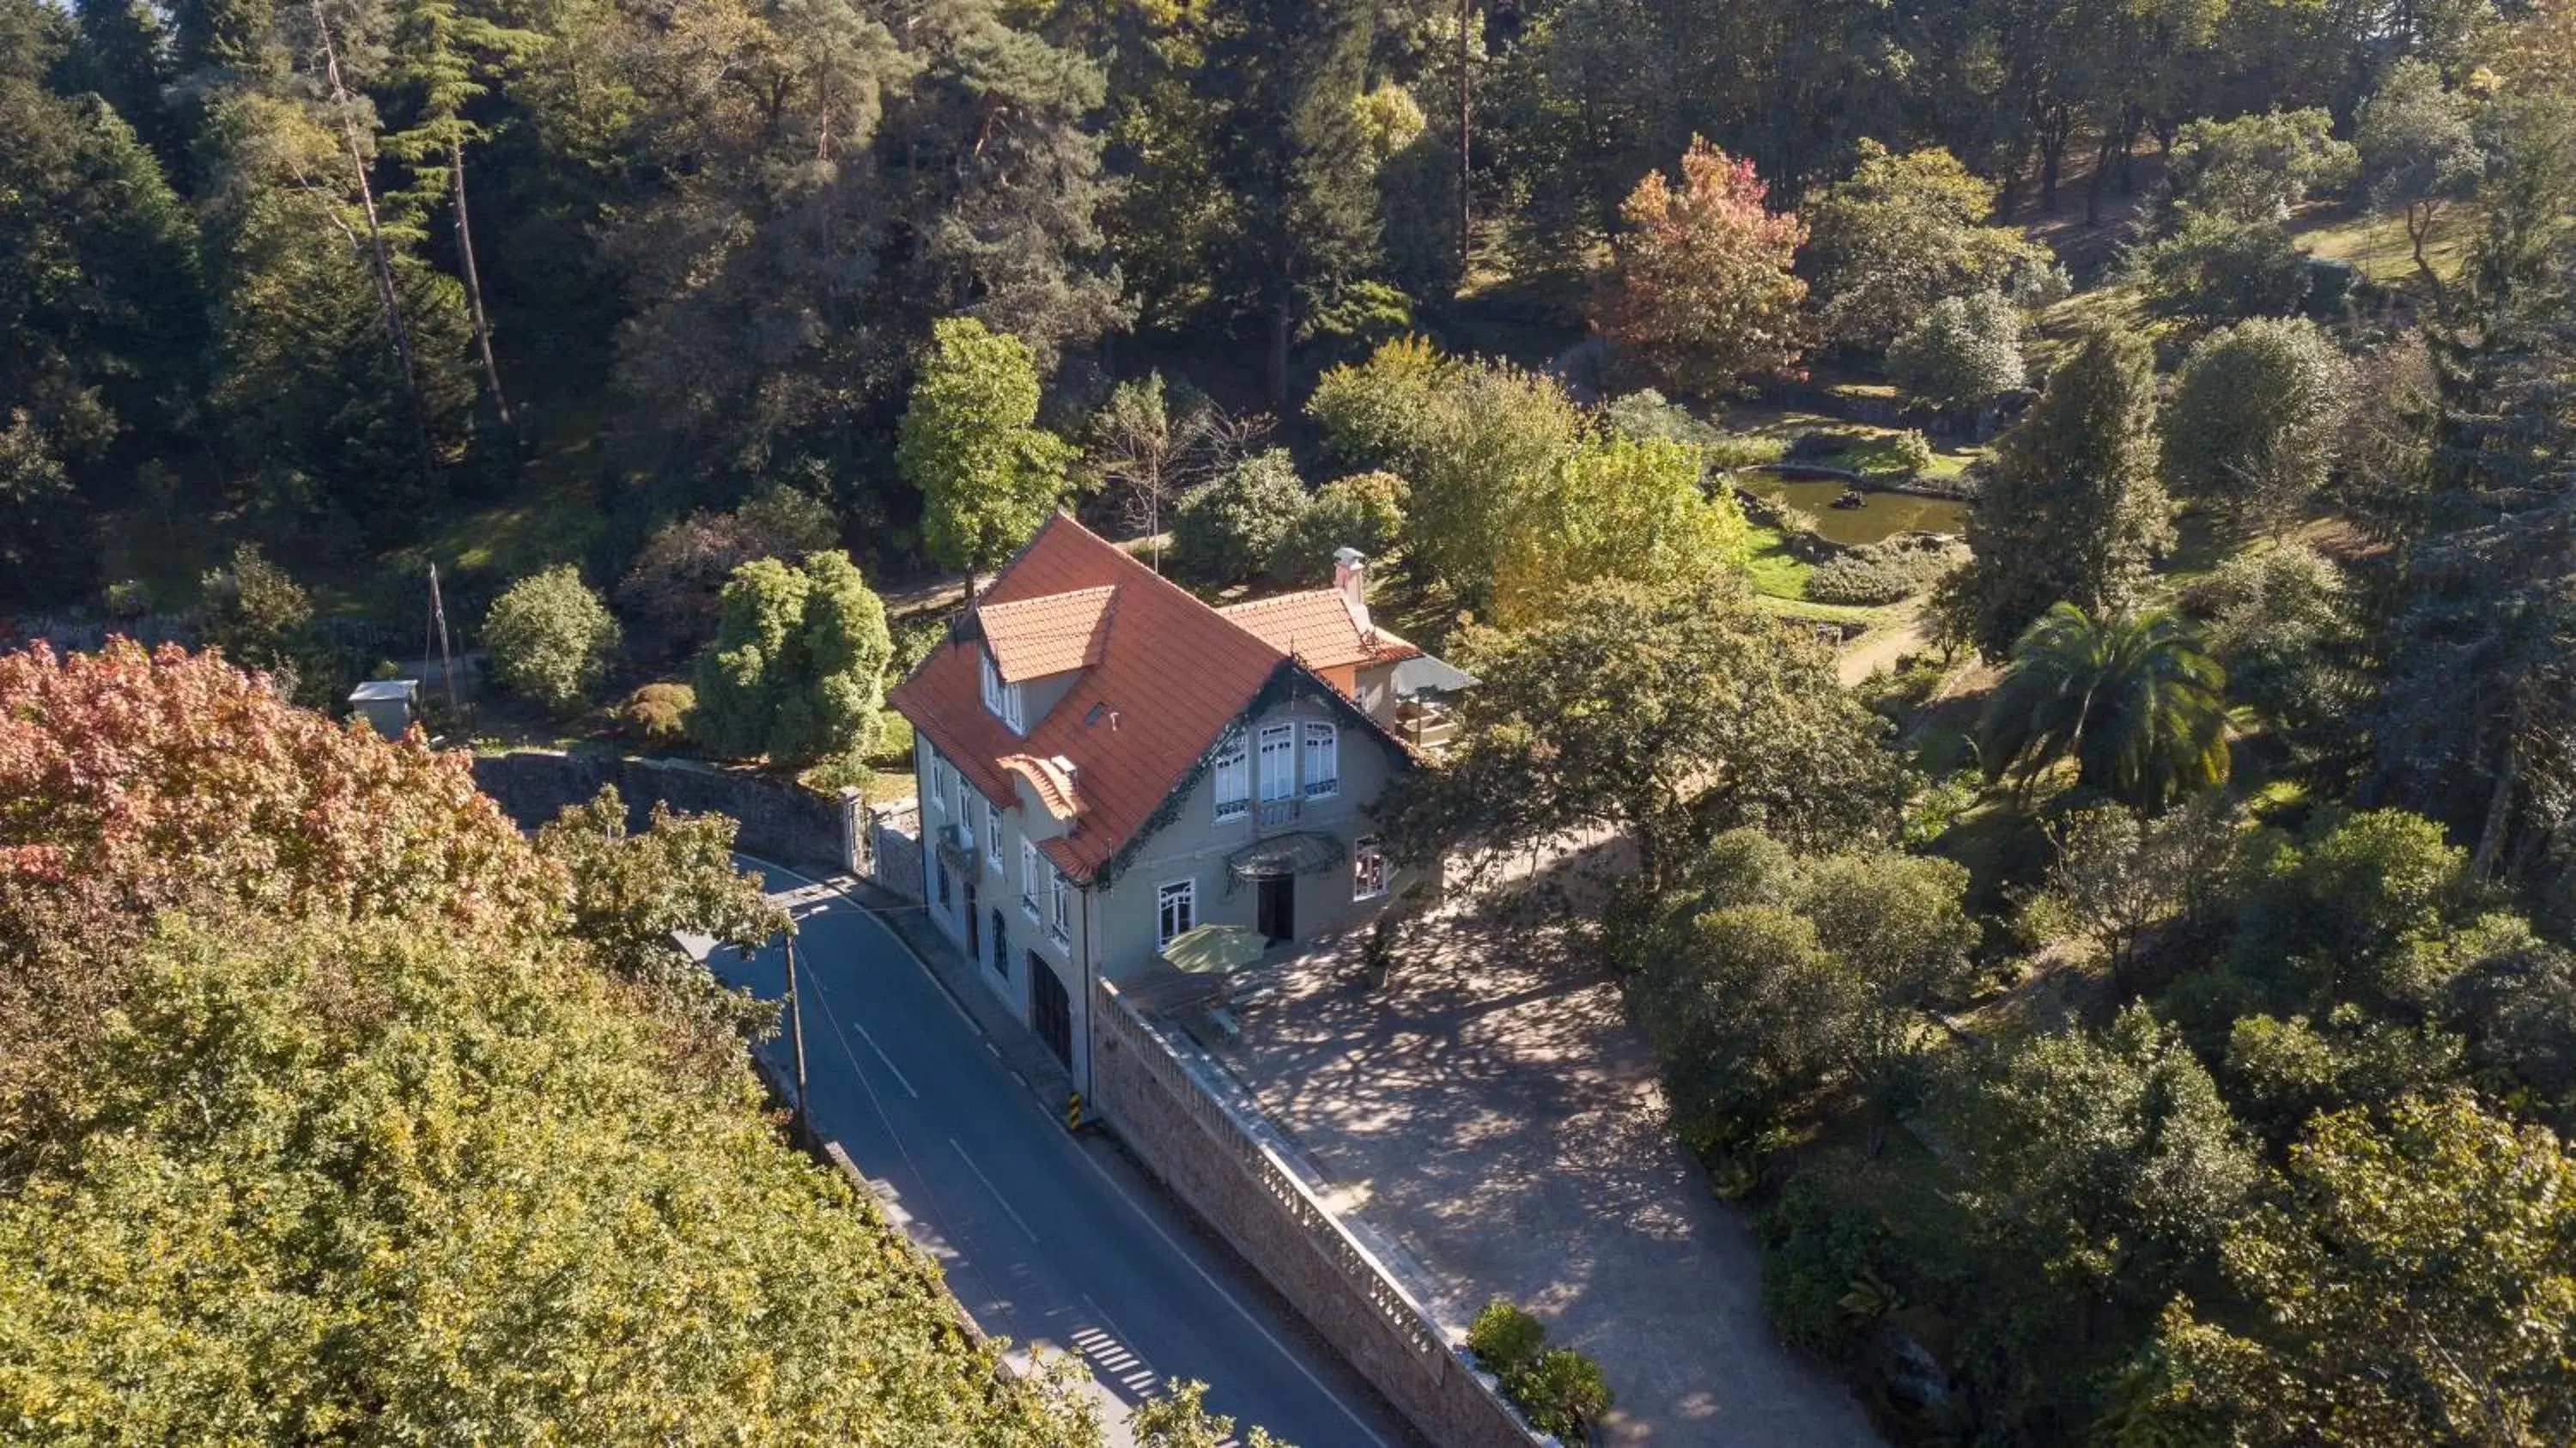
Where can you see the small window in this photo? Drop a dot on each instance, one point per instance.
(965, 817)
(939, 876)
(1368, 870)
(938, 784)
(993, 835)
(1176, 910)
(1029, 879)
(1233, 779)
(1002, 700)
(1278, 762)
(1001, 946)
(1323, 761)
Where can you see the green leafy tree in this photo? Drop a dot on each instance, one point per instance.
(633, 893)
(672, 588)
(1901, 233)
(2108, 1159)
(987, 474)
(796, 671)
(1702, 294)
(2215, 268)
(1148, 449)
(2131, 699)
(2283, 624)
(2358, 911)
(1474, 440)
(2413, 1281)
(260, 617)
(1179, 1418)
(2257, 419)
(1229, 529)
(2259, 167)
(2072, 512)
(1363, 511)
(1616, 507)
(2419, 155)
(1671, 713)
(1962, 353)
(551, 638)
(2119, 875)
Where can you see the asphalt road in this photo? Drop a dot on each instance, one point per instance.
(1050, 1240)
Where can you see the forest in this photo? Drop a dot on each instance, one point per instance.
(2131, 984)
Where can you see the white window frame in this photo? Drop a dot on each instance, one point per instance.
(939, 783)
(965, 814)
(1233, 773)
(1319, 750)
(993, 835)
(1002, 700)
(1029, 879)
(1185, 894)
(1368, 883)
(1060, 907)
(1282, 780)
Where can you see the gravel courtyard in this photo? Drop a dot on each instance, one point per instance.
(1494, 1114)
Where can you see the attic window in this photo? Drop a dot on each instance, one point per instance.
(1093, 714)
(1000, 699)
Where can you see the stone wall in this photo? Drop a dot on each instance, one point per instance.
(1229, 1165)
(781, 820)
(894, 848)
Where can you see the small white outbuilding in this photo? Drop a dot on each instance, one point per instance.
(388, 705)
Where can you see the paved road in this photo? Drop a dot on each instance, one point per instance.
(1047, 1238)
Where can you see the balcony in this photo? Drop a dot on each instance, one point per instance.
(1278, 812)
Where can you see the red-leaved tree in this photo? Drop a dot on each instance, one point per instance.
(1702, 295)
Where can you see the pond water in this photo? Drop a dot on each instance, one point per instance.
(1883, 516)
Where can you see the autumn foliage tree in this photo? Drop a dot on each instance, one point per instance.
(1702, 294)
(331, 1109)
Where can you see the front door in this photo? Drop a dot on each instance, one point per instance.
(1050, 1009)
(974, 925)
(1275, 906)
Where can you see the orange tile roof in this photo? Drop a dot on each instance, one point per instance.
(1169, 678)
(1048, 780)
(1035, 637)
(1318, 626)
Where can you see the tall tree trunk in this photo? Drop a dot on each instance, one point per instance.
(474, 280)
(379, 254)
(1282, 323)
(1466, 150)
(2500, 801)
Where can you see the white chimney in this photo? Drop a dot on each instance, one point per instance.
(1350, 580)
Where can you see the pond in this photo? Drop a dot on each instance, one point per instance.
(1883, 516)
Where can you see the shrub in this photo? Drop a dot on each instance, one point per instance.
(1963, 354)
(894, 742)
(671, 591)
(1562, 1393)
(1364, 511)
(659, 712)
(1814, 1252)
(797, 668)
(1886, 571)
(1907, 453)
(550, 638)
(1505, 1339)
(1229, 529)
(2214, 269)
(2257, 418)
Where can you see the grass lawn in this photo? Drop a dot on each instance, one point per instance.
(2378, 247)
(1774, 571)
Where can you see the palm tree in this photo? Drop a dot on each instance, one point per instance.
(2130, 697)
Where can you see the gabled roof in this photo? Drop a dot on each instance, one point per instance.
(1170, 676)
(1036, 637)
(1320, 627)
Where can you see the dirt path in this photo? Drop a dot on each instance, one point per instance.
(1880, 648)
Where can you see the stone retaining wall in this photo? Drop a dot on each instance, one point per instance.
(781, 820)
(1231, 1169)
(894, 848)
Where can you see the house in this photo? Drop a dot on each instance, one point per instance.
(1106, 763)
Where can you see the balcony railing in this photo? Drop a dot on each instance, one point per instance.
(1278, 811)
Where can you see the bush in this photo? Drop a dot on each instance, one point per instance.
(1963, 354)
(1229, 529)
(2214, 269)
(550, 638)
(893, 749)
(1904, 455)
(1562, 1393)
(659, 712)
(1887, 571)
(1505, 1339)
(1815, 1253)
(1364, 511)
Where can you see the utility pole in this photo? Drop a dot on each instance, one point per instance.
(446, 660)
(796, 1036)
(1466, 119)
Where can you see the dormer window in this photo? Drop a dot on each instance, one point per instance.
(1002, 700)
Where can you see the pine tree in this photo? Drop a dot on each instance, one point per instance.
(2073, 512)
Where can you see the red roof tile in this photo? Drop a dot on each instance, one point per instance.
(1318, 626)
(1169, 677)
(1036, 637)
